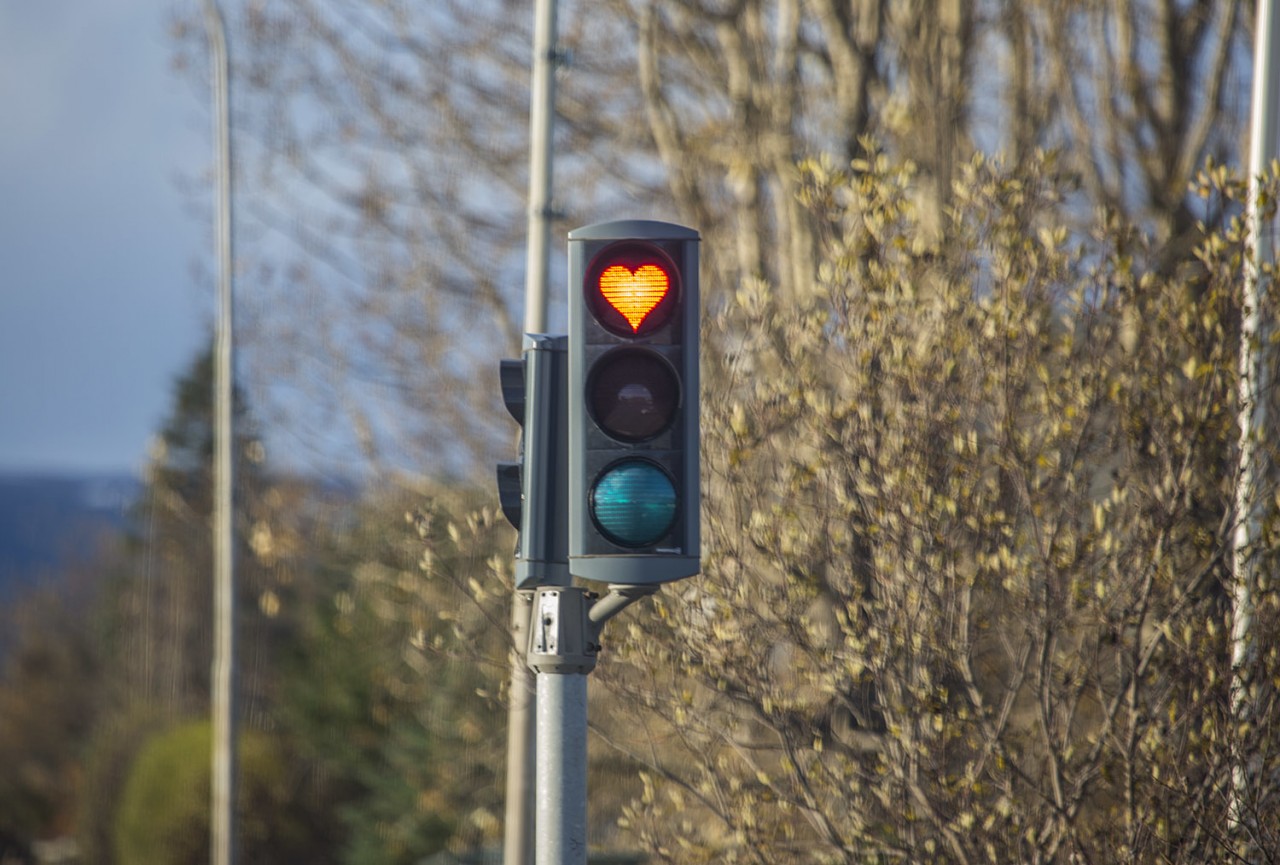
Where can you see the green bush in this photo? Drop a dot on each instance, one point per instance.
(163, 817)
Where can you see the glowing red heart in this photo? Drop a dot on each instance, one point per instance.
(636, 293)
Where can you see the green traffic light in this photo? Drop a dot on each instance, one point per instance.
(633, 503)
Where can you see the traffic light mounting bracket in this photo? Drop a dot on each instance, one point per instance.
(567, 621)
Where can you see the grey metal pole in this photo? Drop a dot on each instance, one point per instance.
(223, 784)
(1253, 370)
(564, 635)
(562, 651)
(518, 829)
(562, 769)
(541, 123)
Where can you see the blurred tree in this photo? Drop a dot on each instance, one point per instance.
(1137, 94)
(157, 609)
(352, 667)
(388, 704)
(110, 749)
(164, 805)
(978, 565)
(387, 143)
(152, 622)
(964, 595)
(46, 709)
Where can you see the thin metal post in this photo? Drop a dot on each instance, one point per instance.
(518, 829)
(541, 123)
(562, 769)
(223, 784)
(1253, 370)
(562, 651)
(564, 644)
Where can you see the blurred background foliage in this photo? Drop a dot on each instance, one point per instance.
(970, 335)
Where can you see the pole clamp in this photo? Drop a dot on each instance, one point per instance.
(566, 623)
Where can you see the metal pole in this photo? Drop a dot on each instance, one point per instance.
(1263, 147)
(562, 769)
(223, 792)
(562, 651)
(564, 643)
(518, 829)
(541, 121)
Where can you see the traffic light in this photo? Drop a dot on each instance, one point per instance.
(532, 492)
(511, 474)
(634, 500)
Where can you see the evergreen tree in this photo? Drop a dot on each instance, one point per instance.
(384, 706)
(155, 615)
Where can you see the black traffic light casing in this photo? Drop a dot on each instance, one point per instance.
(634, 495)
(533, 492)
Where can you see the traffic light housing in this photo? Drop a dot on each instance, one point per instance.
(532, 492)
(634, 496)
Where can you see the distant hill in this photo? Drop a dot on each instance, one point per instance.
(48, 522)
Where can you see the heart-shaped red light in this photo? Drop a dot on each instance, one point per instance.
(636, 293)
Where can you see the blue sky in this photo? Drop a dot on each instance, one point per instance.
(100, 307)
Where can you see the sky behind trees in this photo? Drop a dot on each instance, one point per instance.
(104, 258)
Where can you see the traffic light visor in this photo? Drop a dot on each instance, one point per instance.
(632, 288)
